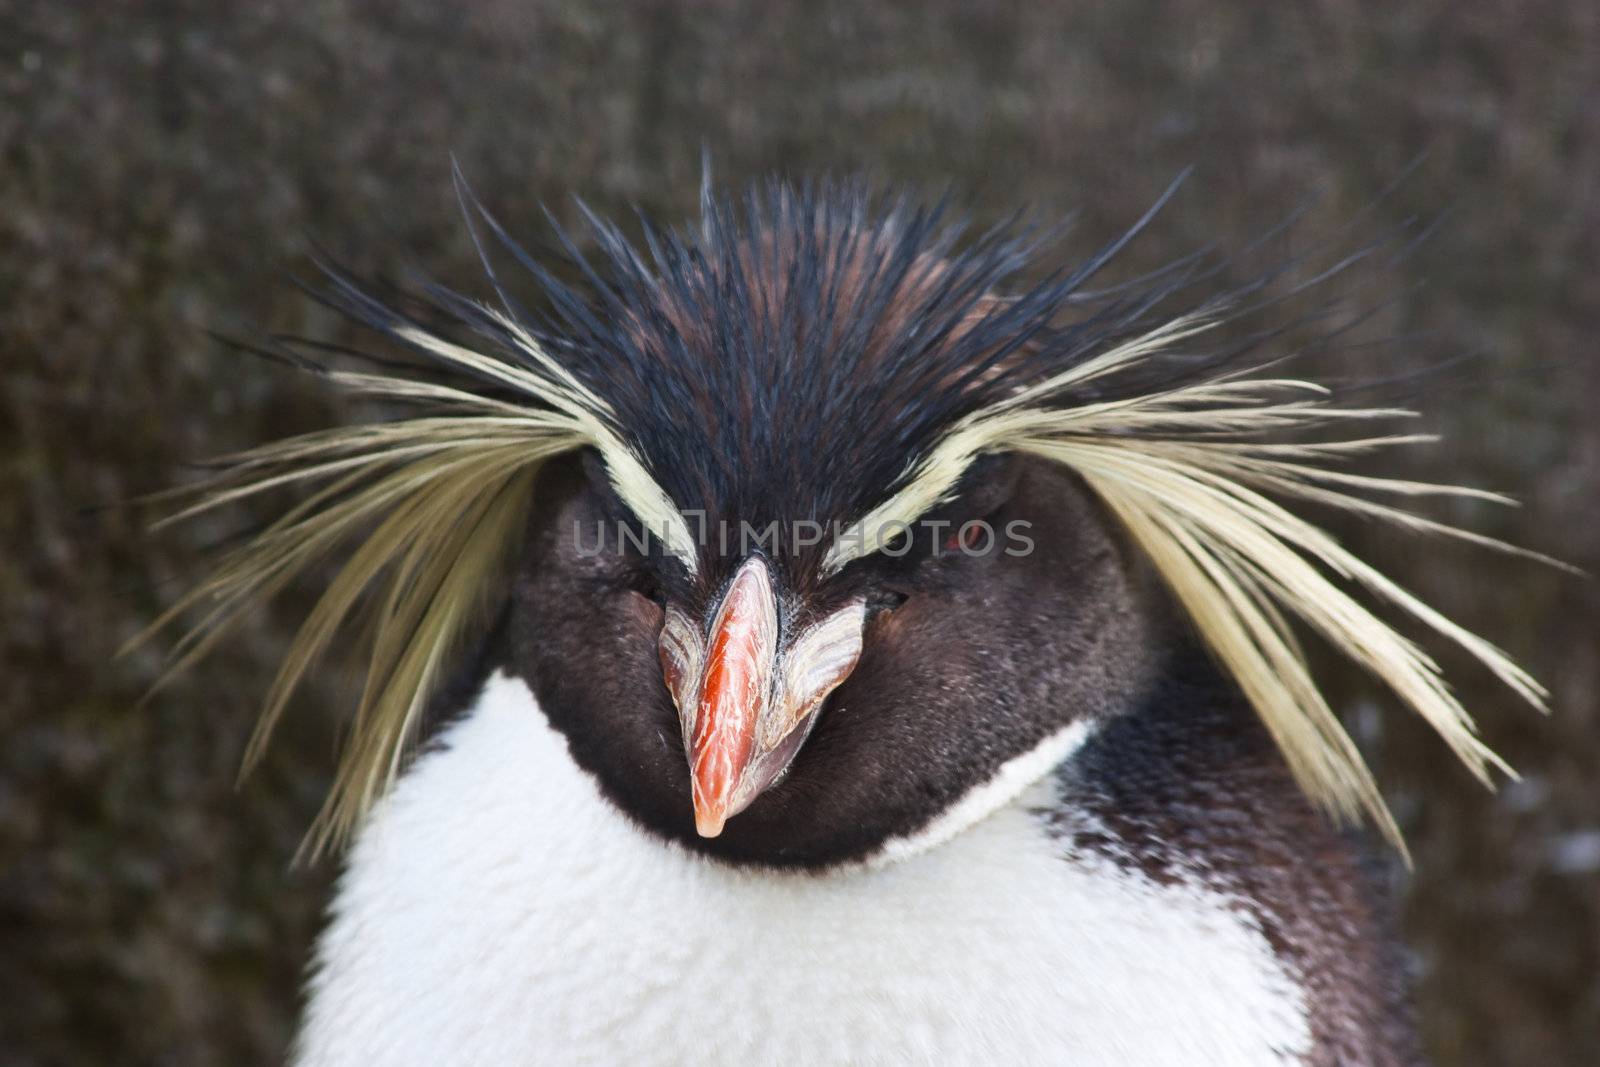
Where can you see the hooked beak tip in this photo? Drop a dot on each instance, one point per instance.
(708, 822)
(744, 711)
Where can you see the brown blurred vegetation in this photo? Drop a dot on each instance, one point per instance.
(163, 167)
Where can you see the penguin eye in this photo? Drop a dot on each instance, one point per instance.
(988, 487)
(967, 526)
(970, 538)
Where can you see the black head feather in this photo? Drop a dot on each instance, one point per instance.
(790, 356)
(794, 360)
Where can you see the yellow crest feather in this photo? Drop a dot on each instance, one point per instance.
(1187, 473)
(434, 505)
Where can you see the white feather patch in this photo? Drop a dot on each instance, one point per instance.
(496, 909)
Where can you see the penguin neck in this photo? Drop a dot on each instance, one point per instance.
(498, 864)
(1014, 778)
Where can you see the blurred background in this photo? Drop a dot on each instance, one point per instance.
(164, 167)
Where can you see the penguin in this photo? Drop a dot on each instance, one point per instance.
(806, 637)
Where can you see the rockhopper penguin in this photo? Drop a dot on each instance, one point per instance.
(801, 639)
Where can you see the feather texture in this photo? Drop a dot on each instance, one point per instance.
(435, 505)
(816, 360)
(1187, 472)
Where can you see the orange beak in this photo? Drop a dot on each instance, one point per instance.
(735, 685)
(743, 710)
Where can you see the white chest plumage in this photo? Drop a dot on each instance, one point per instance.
(497, 910)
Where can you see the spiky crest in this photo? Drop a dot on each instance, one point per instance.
(820, 355)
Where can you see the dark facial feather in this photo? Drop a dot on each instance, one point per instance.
(821, 354)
